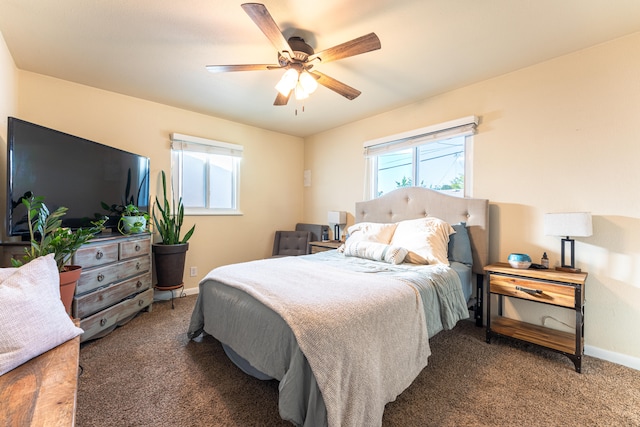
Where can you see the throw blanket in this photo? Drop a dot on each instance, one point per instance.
(364, 337)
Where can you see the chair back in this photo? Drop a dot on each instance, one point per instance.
(291, 243)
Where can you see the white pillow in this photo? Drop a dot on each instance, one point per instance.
(426, 239)
(32, 317)
(376, 251)
(371, 232)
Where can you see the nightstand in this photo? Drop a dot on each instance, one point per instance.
(316, 247)
(551, 287)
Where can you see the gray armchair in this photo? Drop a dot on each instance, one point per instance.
(291, 243)
(315, 229)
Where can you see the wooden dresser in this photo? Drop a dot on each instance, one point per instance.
(115, 283)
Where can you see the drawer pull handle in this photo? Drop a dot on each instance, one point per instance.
(100, 277)
(529, 291)
(141, 303)
(137, 248)
(99, 254)
(138, 284)
(103, 322)
(137, 266)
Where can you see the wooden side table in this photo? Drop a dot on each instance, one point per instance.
(43, 391)
(315, 247)
(557, 288)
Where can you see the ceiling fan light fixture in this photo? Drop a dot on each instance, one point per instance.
(287, 82)
(296, 56)
(308, 82)
(300, 92)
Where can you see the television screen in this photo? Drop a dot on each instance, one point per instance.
(72, 172)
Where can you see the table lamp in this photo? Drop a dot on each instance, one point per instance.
(577, 224)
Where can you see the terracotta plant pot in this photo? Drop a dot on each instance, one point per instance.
(169, 264)
(68, 281)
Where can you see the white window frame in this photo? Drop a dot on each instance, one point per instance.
(465, 126)
(184, 143)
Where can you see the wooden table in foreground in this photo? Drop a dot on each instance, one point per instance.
(42, 391)
(552, 287)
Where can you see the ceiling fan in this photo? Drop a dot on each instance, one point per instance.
(298, 58)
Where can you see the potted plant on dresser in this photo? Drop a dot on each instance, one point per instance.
(132, 220)
(47, 236)
(169, 255)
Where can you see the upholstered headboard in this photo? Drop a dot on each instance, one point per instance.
(416, 202)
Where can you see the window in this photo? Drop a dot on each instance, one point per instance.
(206, 175)
(435, 157)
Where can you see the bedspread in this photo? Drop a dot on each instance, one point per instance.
(365, 338)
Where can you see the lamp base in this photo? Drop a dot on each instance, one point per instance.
(569, 269)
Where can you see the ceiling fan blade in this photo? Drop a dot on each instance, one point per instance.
(261, 16)
(246, 67)
(351, 48)
(281, 99)
(336, 86)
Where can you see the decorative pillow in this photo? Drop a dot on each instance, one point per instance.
(32, 317)
(426, 239)
(371, 232)
(376, 251)
(460, 245)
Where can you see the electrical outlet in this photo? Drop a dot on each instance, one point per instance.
(193, 271)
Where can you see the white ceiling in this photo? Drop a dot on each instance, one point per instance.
(157, 49)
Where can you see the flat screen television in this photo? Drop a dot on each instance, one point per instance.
(69, 171)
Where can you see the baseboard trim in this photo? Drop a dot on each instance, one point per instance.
(192, 291)
(159, 295)
(610, 356)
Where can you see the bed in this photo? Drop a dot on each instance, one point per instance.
(345, 332)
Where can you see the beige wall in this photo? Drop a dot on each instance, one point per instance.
(559, 136)
(8, 107)
(271, 170)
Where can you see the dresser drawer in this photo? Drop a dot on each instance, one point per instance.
(534, 290)
(93, 302)
(94, 255)
(135, 248)
(102, 276)
(106, 320)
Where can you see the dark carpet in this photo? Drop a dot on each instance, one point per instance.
(147, 373)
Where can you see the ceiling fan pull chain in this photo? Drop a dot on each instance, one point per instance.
(297, 109)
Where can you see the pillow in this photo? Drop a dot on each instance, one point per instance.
(426, 239)
(375, 251)
(32, 317)
(371, 232)
(460, 245)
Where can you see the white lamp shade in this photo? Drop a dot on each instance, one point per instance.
(308, 82)
(300, 92)
(576, 224)
(337, 217)
(287, 82)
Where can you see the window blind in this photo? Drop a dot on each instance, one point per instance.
(203, 145)
(460, 127)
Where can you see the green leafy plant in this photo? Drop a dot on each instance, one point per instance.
(138, 226)
(169, 218)
(48, 236)
(133, 210)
